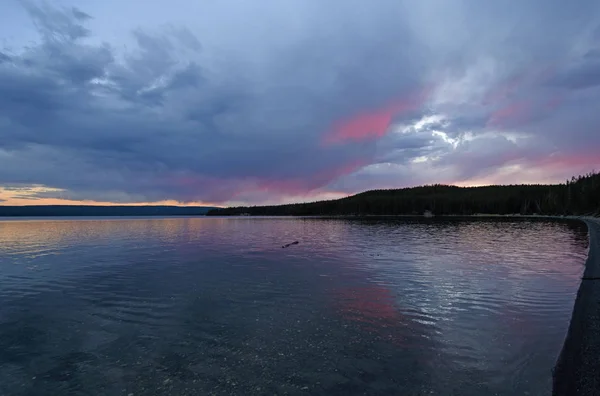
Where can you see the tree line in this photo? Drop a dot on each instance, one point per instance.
(578, 196)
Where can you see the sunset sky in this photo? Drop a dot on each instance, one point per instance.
(270, 101)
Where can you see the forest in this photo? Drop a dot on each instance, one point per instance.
(578, 196)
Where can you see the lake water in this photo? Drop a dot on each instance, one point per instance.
(199, 306)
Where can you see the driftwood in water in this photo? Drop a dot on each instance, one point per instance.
(290, 244)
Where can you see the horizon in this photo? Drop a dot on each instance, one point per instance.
(190, 104)
(191, 205)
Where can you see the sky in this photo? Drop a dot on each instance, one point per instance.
(228, 102)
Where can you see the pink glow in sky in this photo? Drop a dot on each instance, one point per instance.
(372, 124)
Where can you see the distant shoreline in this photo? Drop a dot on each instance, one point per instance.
(410, 216)
(101, 211)
(349, 217)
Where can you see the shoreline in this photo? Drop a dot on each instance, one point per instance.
(414, 216)
(578, 364)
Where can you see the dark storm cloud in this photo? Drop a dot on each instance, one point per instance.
(297, 104)
(85, 122)
(57, 24)
(583, 73)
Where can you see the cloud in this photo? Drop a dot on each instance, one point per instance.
(581, 73)
(57, 23)
(316, 99)
(374, 124)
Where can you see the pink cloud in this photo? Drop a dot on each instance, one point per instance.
(509, 88)
(308, 183)
(539, 168)
(514, 112)
(570, 161)
(373, 124)
(503, 91)
(223, 190)
(554, 103)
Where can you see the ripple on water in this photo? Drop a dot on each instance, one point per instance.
(194, 306)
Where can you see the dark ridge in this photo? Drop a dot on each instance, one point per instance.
(578, 196)
(90, 210)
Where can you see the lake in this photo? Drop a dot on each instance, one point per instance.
(200, 306)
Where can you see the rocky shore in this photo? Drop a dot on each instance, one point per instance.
(577, 371)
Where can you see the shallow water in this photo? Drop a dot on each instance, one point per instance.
(198, 306)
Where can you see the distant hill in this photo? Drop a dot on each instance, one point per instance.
(92, 210)
(579, 195)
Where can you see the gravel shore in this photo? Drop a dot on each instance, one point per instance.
(577, 371)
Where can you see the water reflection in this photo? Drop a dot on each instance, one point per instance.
(194, 306)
